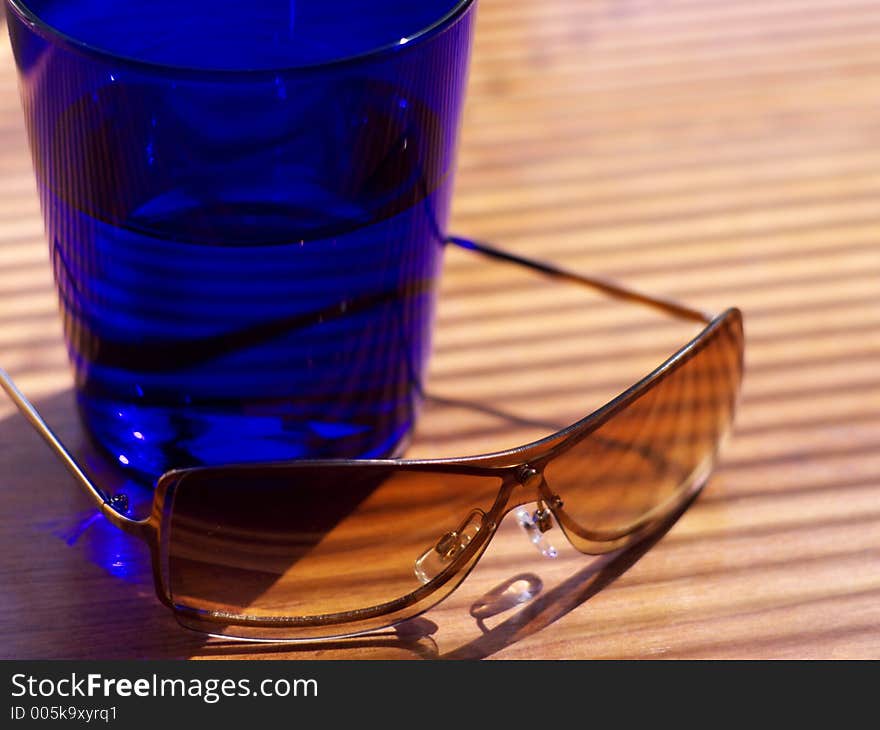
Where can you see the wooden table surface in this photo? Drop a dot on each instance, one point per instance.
(718, 153)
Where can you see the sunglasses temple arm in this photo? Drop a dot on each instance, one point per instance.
(111, 507)
(608, 287)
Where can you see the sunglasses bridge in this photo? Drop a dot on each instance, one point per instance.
(534, 525)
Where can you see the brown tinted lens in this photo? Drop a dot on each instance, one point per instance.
(309, 541)
(660, 445)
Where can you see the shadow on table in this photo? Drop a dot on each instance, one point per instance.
(543, 610)
(87, 589)
(74, 586)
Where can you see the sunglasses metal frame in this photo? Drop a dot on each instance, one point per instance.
(520, 470)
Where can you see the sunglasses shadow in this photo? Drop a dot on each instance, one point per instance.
(541, 611)
(413, 639)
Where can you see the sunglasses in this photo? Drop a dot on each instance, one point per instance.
(305, 550)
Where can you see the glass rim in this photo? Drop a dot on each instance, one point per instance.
(56, 36)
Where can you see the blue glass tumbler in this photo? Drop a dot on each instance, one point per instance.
(245, 205)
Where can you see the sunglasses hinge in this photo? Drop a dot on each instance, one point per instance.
(119, 502)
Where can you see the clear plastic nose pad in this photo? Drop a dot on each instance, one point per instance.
(535, 525)
(441, 554)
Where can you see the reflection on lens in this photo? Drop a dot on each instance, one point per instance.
(657, 447)
(312, 540)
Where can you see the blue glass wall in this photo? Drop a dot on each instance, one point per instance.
(246, 262)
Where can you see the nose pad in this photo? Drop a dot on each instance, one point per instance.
(441, 554)
(535, 525)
